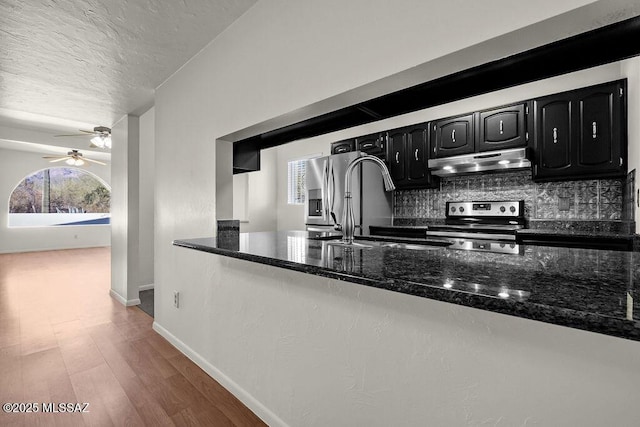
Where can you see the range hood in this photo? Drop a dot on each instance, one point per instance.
(516, 158)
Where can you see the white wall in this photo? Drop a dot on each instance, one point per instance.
(321, 352)
(146, 200)
(14, 167)
(125, 216)
(287, 343)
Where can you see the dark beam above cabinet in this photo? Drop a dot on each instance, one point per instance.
(600, 46)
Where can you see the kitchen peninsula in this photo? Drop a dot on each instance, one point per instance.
(593, 290)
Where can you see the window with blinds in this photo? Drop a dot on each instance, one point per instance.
(296, 179)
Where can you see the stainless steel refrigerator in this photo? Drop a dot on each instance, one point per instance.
(325, 178)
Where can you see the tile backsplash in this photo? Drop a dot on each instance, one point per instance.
(597, 199)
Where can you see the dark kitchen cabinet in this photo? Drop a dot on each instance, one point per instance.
(342, 146)
(600, 128)
(453, 136)
(374, 144)
(418, 155)
(502, 128)
(408, 155)
(396, 158)
(581, 133)
(552, 141)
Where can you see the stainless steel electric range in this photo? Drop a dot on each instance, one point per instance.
(488, 226)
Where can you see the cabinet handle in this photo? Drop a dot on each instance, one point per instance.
(397, 157)
(555, 135)
(416, 154)
(594, 127)
(453, 136)
(501, 127)
(367, 145)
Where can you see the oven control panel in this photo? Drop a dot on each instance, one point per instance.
(484, 209)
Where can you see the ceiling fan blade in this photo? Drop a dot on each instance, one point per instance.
(94, 161)
(85, 133)
(58, 159)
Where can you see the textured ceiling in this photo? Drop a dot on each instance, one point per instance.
(65, 63)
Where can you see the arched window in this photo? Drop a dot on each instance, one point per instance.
(59, 196)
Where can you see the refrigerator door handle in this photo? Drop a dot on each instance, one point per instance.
(325, 189)
(331, 201)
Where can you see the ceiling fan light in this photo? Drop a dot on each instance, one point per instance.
(107, 141)
(79, 162)
(70, 162)
(98, 141)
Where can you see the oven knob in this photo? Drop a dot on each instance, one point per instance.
(502, 209)
(512, 209)
(453, 209)
(461, 209)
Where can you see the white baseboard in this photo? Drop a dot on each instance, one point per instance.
(145, 287)
(122, 300)
(251, 402)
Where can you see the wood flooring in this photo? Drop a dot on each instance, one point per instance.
(63, 339)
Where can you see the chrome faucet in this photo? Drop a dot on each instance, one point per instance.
(348, 220)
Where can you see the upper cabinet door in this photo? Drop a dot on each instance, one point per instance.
(553, 136)
(503, 128)
(599, 135)
(581, 134)
(397, 147)
(372, 144)
(417, 152)
(453, 136)
(342, 146)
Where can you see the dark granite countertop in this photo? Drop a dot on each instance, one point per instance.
(574, 233)
(589, 289)
(552, 231)
(543, 229)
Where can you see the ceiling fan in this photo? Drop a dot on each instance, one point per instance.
(101, 136)
(73, 158)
